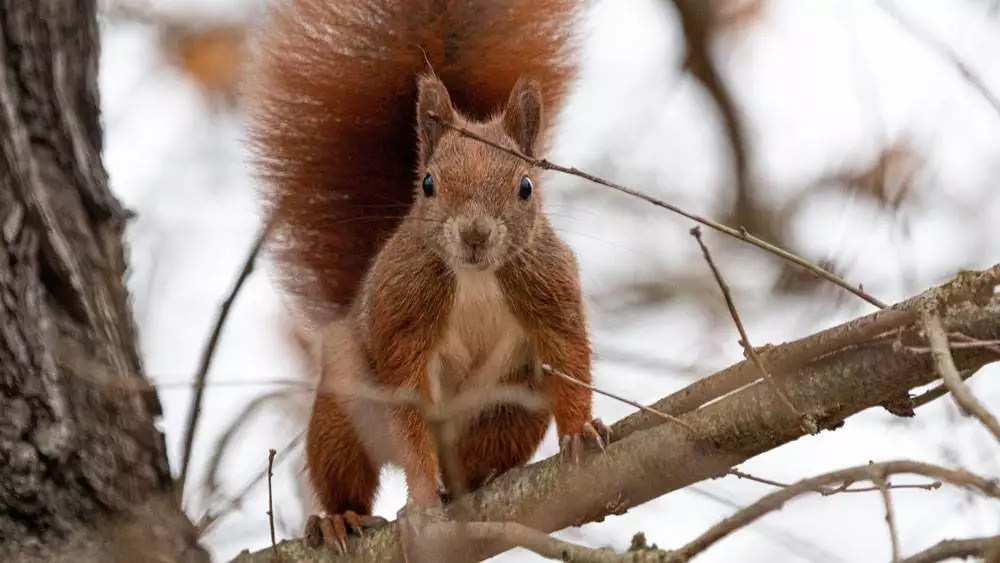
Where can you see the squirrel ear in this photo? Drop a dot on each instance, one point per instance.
(432, 97)
(522, 118)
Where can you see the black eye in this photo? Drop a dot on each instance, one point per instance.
(524, 190)
(428, 185)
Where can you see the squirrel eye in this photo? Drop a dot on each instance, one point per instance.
(524, 190)
(428, 185)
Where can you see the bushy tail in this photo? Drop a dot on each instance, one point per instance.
(332, 94)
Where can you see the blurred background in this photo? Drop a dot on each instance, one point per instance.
(874, 146)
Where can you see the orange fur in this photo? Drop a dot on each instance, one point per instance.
(331, 92)
(338, 139)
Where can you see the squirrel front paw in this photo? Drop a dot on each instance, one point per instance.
(334, 529)
(593, 435)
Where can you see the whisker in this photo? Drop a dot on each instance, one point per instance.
(583, 210)
(373, 219)
(610, 243)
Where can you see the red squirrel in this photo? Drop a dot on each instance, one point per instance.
(425, 253)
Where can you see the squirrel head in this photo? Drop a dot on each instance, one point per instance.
(476, 205)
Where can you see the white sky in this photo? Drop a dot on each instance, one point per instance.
(814, 79)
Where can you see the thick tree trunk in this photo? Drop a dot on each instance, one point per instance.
(83, 470)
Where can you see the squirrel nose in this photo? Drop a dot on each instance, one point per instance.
(475, 233)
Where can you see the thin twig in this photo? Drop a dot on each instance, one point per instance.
(180, 384)
(699, 21)
(667, 417)
(948, 549)
(740, 234)
(741, 475)
(933, 485)
(552, 371)
(777, 499)
(750, 413)
(270, 503)
(221, 447)
(208, 521)
(949, 373)
(793, 356)
(443, 435)
(993, 345)
(939, 391)
(470, 401)
(515, 534)
(735, 472)
(988, 344)
(945, 51)
(751, 352)
(878, 478)
(209, 353)
(843, 488)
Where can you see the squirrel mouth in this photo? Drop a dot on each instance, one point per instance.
(479, 258)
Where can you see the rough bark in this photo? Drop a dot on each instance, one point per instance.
(83, 469)
(850, 369)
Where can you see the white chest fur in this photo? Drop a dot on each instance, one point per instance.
(482, 341)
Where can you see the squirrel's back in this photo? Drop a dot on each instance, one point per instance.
(332, 102)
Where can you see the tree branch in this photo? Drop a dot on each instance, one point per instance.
(949, 373)
(942, 49)
(875, 472)
(957, 548)
(645, 463)
(201, 376)
(748, 348)
(740, 234)
(512, 534)
(969, 286)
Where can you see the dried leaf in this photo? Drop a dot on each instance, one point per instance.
(213, 57)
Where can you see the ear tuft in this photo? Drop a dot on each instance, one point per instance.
(432, 97)
(522, 118)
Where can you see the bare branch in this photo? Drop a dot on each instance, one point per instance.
(443, 434)
(744, 338)
(206, 359)
(223, 443)
(777, 499)
(735, 233)
(698, 21)
(211, 517)
(989, 344)
(666, 417)
(669, 418)
(945, 51)
(957, 548)
(878, 479)
(642, 464)
(949, 373)
(939, 391)
(270, 503)
(843, 488)
(976, 287)
(517, 535)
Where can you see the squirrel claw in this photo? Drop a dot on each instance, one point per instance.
(444, 494)
(333, 530)
(593, 435)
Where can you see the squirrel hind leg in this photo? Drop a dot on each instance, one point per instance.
(342, 474)
(500, 439)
